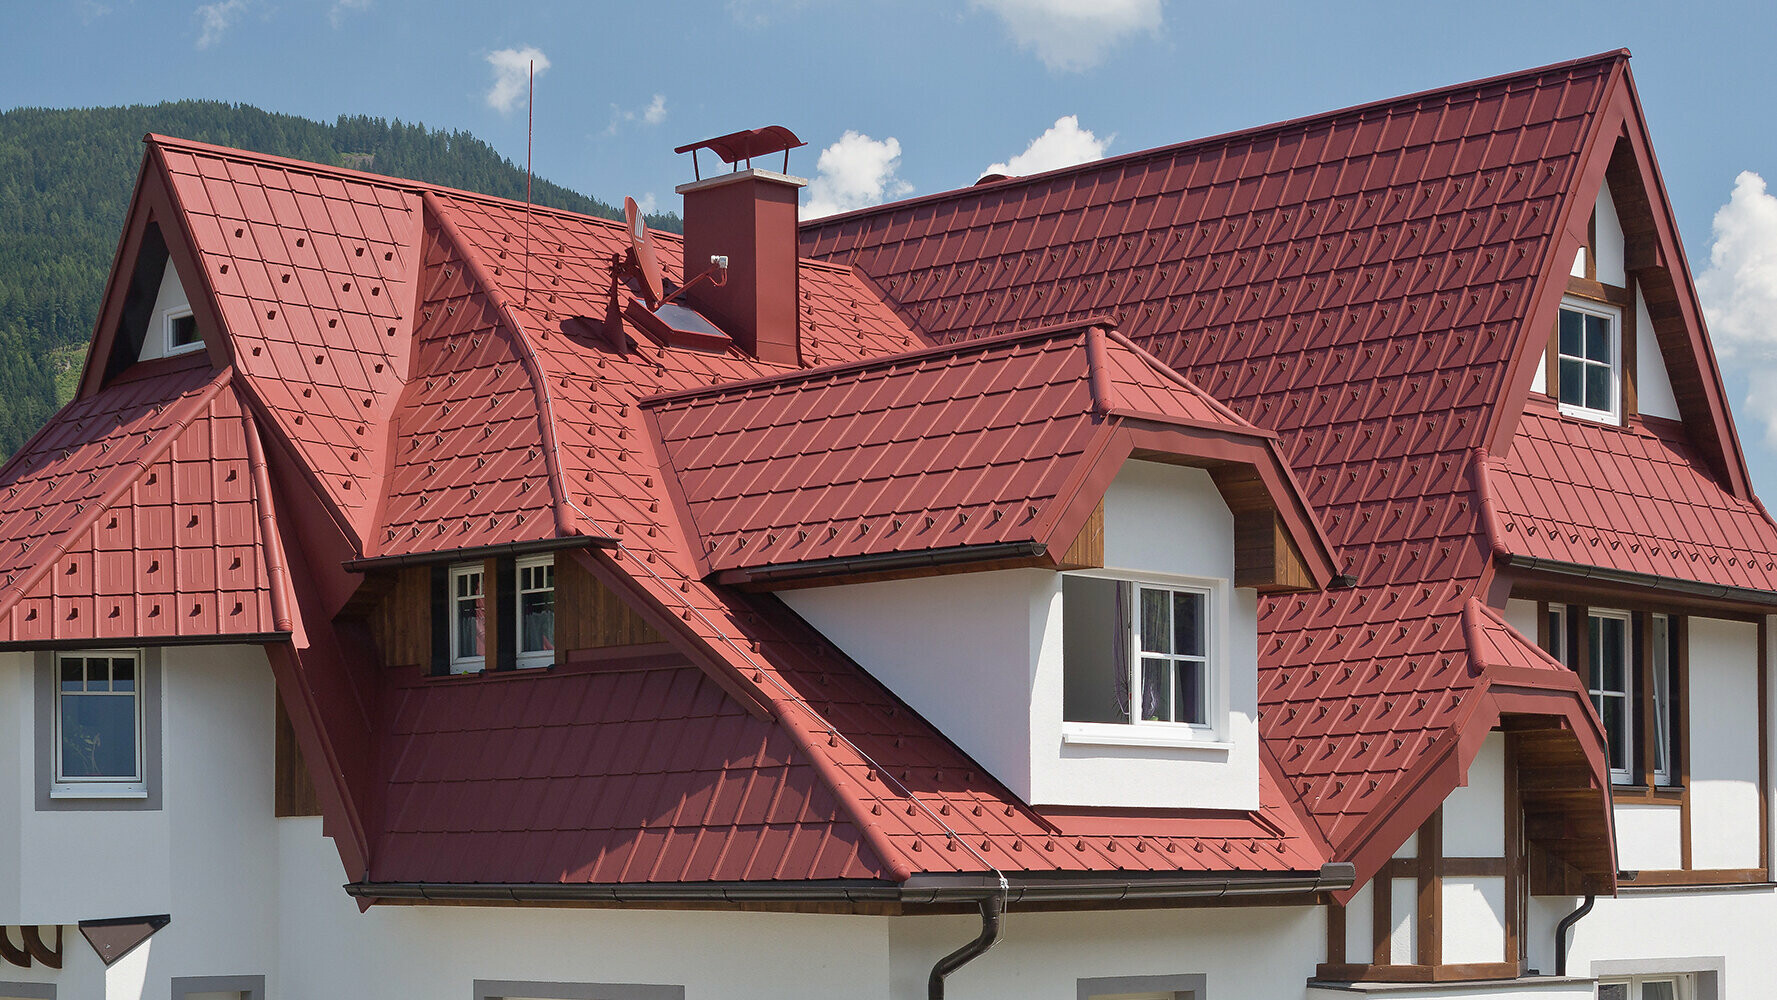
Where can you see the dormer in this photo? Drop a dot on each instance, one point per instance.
(1046, 544)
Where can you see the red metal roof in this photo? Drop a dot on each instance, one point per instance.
(1359, 282)
(1636, 499)
(987, 442)
(135, 514)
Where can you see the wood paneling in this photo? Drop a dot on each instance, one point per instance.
(589, 616)
(1087, 551)
(1264, 555)
(401, 624)
(294, 789)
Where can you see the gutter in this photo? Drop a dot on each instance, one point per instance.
(883, 562)
(479, 552)
(1714, 591)
(920, 889)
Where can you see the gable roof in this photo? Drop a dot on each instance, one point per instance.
(1363, 283)
(477, 384)
(986, 447)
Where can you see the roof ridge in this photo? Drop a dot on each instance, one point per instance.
(1047, 332)
(181, 419)
(1222, 138)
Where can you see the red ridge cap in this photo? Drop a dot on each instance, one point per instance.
(971, 190)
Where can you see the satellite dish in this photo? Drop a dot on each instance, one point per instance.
(643, 249)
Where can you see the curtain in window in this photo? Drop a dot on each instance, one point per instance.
(1120, 648)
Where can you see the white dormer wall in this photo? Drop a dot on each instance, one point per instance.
(980, 656)
(1653, 387)
(169, 301)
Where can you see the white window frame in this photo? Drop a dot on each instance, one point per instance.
(1587, 307)
(461, 663)
(65, 786)
(1138, 732)
(1660, 700)
(1682, 985)
(1618, 776)
(166, 333)
(534, 657)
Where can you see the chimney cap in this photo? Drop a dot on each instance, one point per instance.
(746, 144)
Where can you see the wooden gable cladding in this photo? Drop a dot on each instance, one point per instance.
(400, 622)
(1265, 557)
(589, 615)
(293, 786)
(1087, 550)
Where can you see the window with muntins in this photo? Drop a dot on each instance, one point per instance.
(1629, 661)
(98, 723)
(536, 611)
(468, 618)
(1588, 360)
(1646, 988)
(1138, 653)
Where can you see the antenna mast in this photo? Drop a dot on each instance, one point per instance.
(530, 107)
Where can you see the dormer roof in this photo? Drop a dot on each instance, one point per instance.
(985, 450)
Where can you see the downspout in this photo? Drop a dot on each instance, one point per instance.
(1566, 925)
(992, 909)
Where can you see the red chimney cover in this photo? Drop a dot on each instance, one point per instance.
(744, 145)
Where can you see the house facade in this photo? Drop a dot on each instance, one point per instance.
(1310, 562)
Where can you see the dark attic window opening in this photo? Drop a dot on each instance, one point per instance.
(182, 334)
(138, 302)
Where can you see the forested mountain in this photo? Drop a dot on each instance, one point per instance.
(65, 180)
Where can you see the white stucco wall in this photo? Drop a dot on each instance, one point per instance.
(985, 663)
(170, 298)
(1649, 837)
(1653, 386)
(1723, 721)
(1521, 615)
(1609, 239)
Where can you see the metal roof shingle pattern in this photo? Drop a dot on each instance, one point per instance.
(1354, 282)
(1636, 500)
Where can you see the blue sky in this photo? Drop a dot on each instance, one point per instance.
(936, 93)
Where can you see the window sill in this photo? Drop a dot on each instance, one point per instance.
(99, 791)
(1584, 413)
(1111, 734)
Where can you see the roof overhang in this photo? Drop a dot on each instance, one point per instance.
(444, 556)
(1661, 585)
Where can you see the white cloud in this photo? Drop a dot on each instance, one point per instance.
(343, 7)
(214, 20)
(855, 172)
(1739, 292)
(512, 74)
(647, 203)
(653, 114)
(1063, 144)
(1074, 34)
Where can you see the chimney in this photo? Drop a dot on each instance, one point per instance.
(749, 217)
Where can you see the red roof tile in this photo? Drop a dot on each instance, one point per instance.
(1357, 282)
(1636, 500)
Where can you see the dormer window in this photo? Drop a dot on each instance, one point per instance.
(536, 611)
(1589, 360)
(181, 332)
(468, 618)
(1139, 653)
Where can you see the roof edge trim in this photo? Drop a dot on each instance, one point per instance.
(1086, 887)
(883, 562)
(1223, 137)
(145, 642)
(1047, 332)
(1746, 595)
(478, 552)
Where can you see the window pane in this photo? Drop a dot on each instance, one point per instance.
(1662, 707)
(1190, 703)
(1616, 731)
(1155, 698)
(1598, 339)
(1663, 989)
(1613, 991)
(73, 673)
(98, 736)
(184, 331)
(1573, 380)
(1096, 665)
(537, 621)
(1612, 647)
(1598, 387)
(98, 674)
(1570, 332)
(1187, 623)
(123, 674)
(1154, 624)
(1594, 648)
(471, 626)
